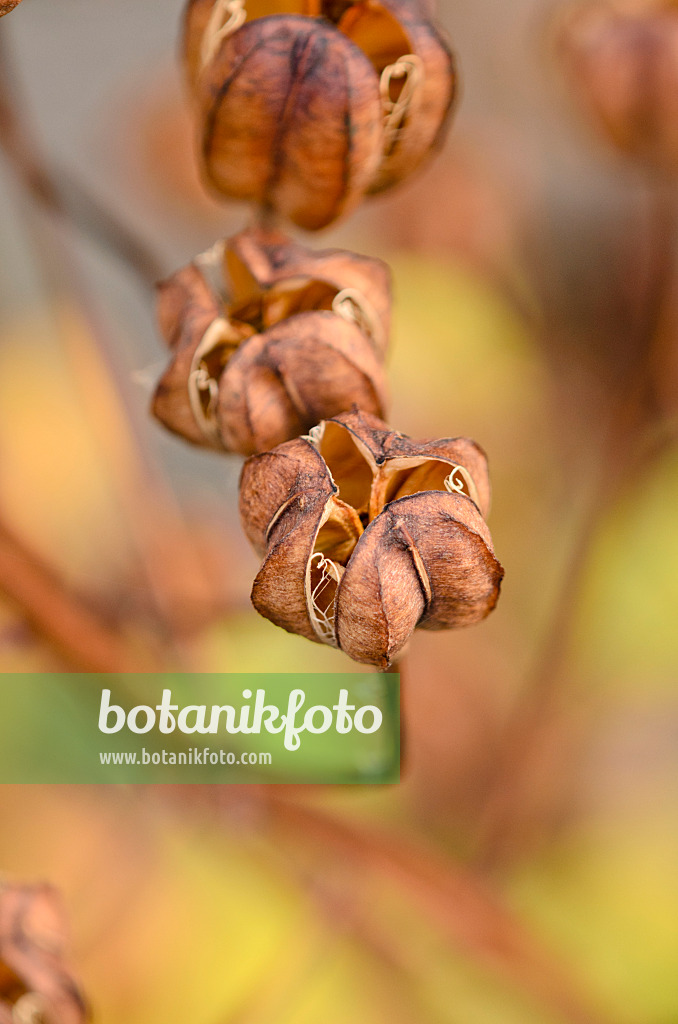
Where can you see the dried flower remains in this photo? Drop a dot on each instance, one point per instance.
(267, 338)
(304, 106)
(366, 535)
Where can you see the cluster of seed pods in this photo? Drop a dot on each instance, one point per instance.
(303, 108)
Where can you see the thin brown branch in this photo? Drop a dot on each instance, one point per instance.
(61, 195)
(82, 638)
(178, 583)
(454, 898)
(624, 455)
(358, 860)
(398, 667)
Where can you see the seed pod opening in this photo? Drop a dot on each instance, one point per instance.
(367, 534)
(267, 338)
(306, 105)
(418, 81)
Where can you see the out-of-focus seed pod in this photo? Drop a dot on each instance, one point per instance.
(623, 66)
(366, 535)
(8, 5)
(36, 986)
(304, 106)
(268, 337)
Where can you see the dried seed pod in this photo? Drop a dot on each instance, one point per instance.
(623, 65)
(307, 105)
(290, 117)
(35, 985)
(267, 338)
(417, 80)
(366, 535)
(8, 5)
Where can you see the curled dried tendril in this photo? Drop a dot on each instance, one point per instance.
(354, 307)
(31, 1008)
(209, 359)
(226, 18)
(398, 85)
(325, 575)
(461, 482)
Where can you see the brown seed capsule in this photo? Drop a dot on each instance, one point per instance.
(623, 65)
(367, 535)
(267, 338)
(306, 105)
(35, 985)
(8, 5)
(417, 80)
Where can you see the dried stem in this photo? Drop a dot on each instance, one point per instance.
(358, 860)
(456, 900)
(82, 638)
(166, 550)
(61, 195)
(398, 667)
(624, 455)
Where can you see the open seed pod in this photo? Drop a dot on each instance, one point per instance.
(622, 61)
(367, 535)
(267, 338)
(306, 105)
(36, 986)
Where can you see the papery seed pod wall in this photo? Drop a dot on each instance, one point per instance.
(8, 5)
(304, 108)
(308, 105)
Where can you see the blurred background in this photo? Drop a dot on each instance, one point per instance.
(526, 869)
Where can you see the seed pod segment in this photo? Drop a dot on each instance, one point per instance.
(289, 117)
(304, 106)
(418, 80)
(268, 337)
(366, 535)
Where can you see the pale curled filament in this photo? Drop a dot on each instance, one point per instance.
(322, 618)
(410, 70)
(226, 18)
(354, 307)
(460, 481)
(203, 389)
(29, 1009)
